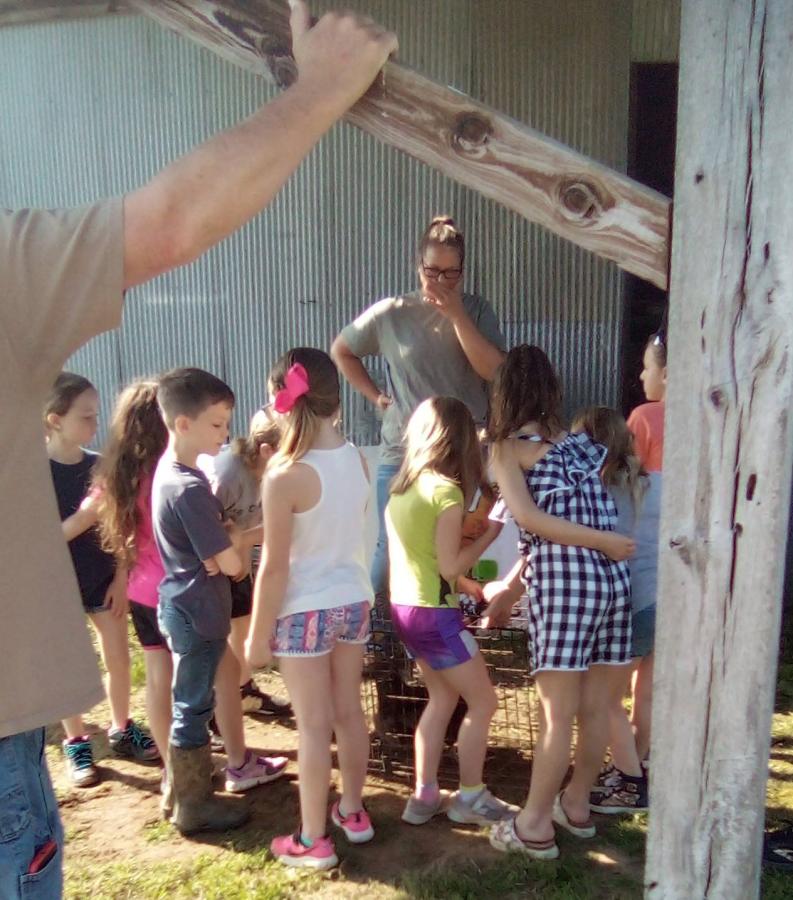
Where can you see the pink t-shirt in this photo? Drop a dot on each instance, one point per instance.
(147, 573)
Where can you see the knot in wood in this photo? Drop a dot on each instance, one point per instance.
(579, 200)
(278, 58)
(471, 132)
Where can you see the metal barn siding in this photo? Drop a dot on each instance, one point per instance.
(126, 97)
(656, 31)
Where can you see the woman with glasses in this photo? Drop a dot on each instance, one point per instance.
(436, 341)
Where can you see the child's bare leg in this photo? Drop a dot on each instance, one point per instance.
(239, 632)
(114, 647)
(228, 708)
(349, 723)
(472, 682)
(621, 737)
(559, 695)
(314, 714)
(73, 727)
(159, 675)
(643, 705)
(601, 687)
(431, 728)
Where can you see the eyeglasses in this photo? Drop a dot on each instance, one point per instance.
(441, 274)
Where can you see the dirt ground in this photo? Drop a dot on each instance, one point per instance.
(119, 820)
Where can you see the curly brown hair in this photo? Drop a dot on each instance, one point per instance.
(525, 389)
(137, 439)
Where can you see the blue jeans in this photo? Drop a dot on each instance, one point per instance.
(195, 663)
(379, 573)
(28, 820)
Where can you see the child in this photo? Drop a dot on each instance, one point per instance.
(138, 438)
(236, 481)
(436, 482)
(313, 597)
(194, 605)
(647, 420)
(70, 417)
(579, 606)
(622, 787)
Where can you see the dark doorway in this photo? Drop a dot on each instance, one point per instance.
(651, 160)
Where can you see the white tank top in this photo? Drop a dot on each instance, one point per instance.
(327, 559)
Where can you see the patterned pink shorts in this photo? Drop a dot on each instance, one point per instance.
(317, 632)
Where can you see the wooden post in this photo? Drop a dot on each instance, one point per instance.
(729, 450)
(573, 196)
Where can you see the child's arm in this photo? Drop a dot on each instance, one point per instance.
(501, 596)
(271, 579)
(116, 599)
(86, 517)
(512, 483)
(454, 560)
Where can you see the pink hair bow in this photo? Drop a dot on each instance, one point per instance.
(295, 385)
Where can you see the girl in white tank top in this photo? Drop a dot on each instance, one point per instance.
(313, 597)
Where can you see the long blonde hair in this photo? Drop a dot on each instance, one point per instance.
(622, 467)
(441, 437)
(299, 427)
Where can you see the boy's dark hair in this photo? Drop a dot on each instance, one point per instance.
(188, 392)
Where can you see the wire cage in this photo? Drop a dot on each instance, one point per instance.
(394, 698)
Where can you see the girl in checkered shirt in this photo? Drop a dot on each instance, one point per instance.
(579, 596)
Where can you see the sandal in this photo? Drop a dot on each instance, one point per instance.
(504, 836)
(579, 829)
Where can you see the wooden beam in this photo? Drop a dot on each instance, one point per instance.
(729, 451)
(24, 13)
(573, 196)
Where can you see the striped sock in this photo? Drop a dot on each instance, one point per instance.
(469, 794)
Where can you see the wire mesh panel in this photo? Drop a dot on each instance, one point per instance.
(394, 698)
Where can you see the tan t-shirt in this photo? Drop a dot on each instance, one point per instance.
(61, 283)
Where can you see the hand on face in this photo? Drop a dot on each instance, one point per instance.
(447, 299)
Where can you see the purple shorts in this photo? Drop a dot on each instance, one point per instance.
(436, 635)
(317, 632)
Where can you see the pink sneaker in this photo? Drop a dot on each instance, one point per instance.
(357, 826)
(255, 770)
(289, 850)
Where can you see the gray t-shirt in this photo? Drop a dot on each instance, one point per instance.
(644, 530)
(236, 487)
(423, 358)
(188, 529)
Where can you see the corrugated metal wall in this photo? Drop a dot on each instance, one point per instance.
(97, 106)
(656, 30)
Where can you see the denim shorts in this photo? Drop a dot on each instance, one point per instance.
(643, 632)
(29, 822)
(438, 636)
(317, 632)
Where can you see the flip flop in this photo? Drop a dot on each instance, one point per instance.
(504, 836)
(579, 829)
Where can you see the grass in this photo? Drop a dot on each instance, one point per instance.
(610, 868)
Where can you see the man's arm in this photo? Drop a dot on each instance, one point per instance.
(203, 197)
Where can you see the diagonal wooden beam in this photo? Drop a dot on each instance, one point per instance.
(24, 12)
(581, 200)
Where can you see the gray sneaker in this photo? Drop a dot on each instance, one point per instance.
(484, 810)
(418, 813)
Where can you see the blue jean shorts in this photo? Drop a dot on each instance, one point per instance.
(316, 633)
(31, 837)
(643, 632)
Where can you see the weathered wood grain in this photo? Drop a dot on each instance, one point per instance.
(573, 196)
(729, 451)
(22, 13)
